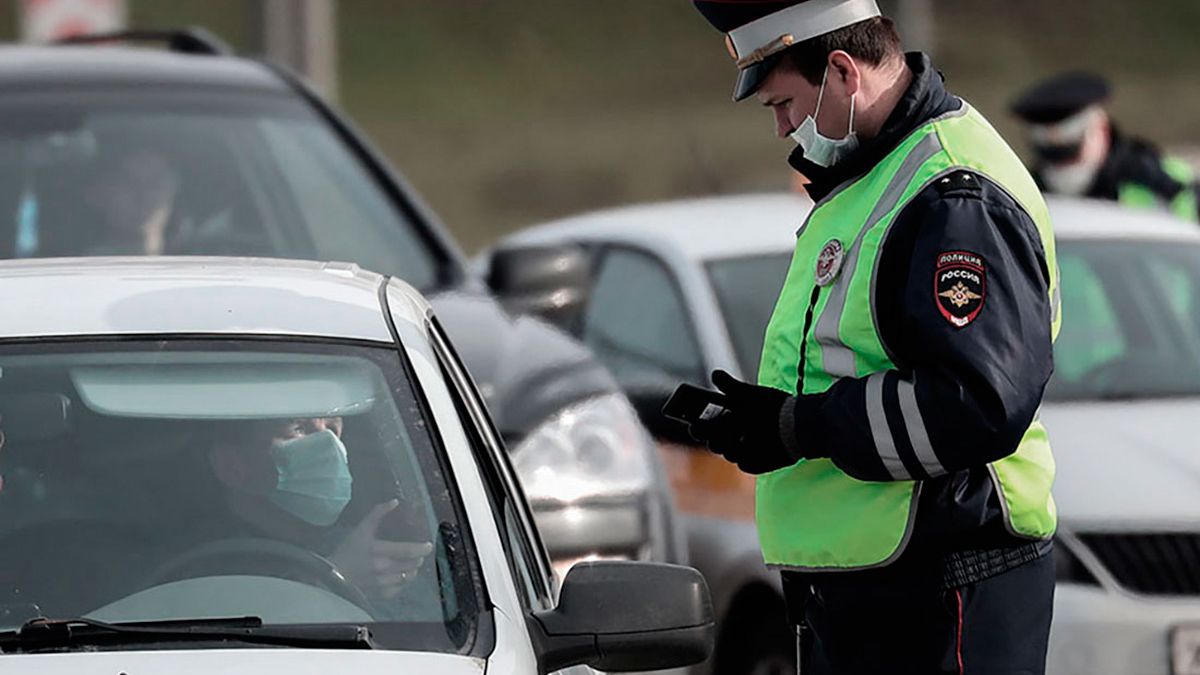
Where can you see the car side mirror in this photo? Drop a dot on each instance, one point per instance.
(550, 282)
(625, 616)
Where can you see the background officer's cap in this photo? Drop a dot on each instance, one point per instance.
(1053, 100)
(758, 30)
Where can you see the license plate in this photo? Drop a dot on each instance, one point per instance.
(1185, 650)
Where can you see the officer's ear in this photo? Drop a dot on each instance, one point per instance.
(1106, 125)
(844, 72)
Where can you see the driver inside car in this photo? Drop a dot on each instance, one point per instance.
(138, 203)
(136, 199)
(291, 480)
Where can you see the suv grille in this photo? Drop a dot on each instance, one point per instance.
(1155, 564)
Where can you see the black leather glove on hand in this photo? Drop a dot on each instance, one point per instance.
(748, 432)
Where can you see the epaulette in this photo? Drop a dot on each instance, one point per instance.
(961, 183)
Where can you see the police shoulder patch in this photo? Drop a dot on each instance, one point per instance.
(960, 286)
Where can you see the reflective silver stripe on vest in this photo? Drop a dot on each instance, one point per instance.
(884, 444)
(836, 358)
(918, 435)
(1056, 296)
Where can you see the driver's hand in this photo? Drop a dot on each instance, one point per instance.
(376, 565)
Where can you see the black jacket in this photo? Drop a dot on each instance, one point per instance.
(976, 386)
(1132, 160)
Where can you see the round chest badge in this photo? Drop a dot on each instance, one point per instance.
(829, 262)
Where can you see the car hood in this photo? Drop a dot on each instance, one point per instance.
(525, 369)
(1126, 465)
(241, 661)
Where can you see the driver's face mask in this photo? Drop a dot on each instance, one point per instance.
(314, 477)
(822, 150)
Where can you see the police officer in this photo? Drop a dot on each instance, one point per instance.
(1080, 152)
(903, 475)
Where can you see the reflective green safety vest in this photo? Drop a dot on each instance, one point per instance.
(812, 516)
(1182, 204)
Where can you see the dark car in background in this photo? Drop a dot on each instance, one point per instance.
(113, 150)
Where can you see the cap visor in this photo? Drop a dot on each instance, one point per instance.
(751, 78)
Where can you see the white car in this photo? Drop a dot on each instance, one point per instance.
(252, 466)
(679, 289)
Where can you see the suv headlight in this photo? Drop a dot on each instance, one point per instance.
(595, 448)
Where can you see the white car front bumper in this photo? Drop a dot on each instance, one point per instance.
(1100, 632)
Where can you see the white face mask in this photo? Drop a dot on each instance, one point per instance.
(314, 477)
(1075, 178)
(1072, 179)
(822, 150)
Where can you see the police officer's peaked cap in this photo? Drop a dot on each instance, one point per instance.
(758, 30)
(1059, 97)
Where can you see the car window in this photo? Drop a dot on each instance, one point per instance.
(1131, 320)
(173, 173)
(1092, 336)
(1178, 288)
(746, 290)
(637, 323)
(296, 482)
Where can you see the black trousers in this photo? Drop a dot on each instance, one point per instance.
(999, 626)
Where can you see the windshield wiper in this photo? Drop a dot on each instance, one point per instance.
(56, 634)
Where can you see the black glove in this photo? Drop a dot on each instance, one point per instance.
(748, 432)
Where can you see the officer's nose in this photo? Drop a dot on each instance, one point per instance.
(783, 123)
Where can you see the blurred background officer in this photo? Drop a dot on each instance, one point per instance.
(903, 477)
(1080, 152)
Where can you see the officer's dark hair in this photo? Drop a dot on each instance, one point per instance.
(873, 41)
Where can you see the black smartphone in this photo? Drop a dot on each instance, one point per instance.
(691, 404)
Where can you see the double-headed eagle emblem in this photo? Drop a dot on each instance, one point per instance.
(959, 295)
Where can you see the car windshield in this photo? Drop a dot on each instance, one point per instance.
(1131, 316)
(92, 172)
(174, 480)
(1131, 320)
(746, 289)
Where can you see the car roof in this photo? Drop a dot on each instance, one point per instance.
(106, 67)
(1082, 219)
(199, 296)
(733, 226)
(711, 227)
